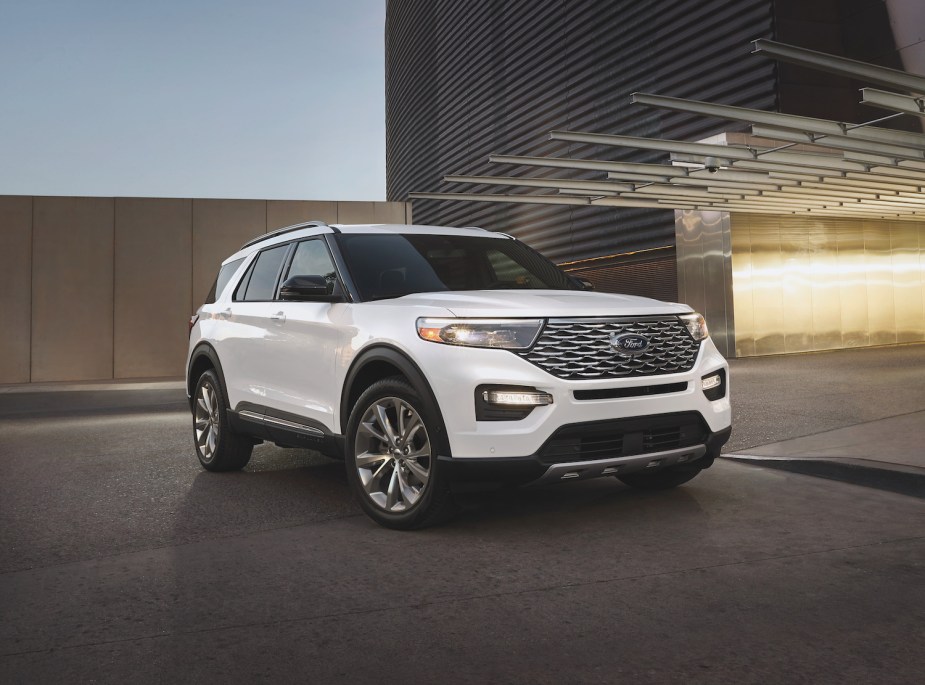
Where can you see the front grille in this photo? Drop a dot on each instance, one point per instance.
(596, 440)
(576, 349)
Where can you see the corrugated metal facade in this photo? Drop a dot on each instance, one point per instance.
(467, 79)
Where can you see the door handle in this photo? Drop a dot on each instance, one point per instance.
(279, 316)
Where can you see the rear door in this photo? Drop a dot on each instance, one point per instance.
(249, 335)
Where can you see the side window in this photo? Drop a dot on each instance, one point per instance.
(312, 258)
(260, 282)
(224, 275)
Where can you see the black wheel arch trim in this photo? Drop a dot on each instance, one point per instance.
(400, 360)
(204, 349)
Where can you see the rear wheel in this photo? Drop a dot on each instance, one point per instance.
(392, 443)
(218, 447)
(664, 479)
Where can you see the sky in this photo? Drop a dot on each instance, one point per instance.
(276, 99)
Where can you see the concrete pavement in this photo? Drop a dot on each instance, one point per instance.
(851, 415)
(121, 560)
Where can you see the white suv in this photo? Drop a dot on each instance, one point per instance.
(434, 359)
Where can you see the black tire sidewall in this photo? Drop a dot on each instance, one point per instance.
(437, 484)
(219, 459)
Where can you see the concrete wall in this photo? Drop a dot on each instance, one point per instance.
(98, 288)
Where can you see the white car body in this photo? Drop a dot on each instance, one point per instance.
(293, 360)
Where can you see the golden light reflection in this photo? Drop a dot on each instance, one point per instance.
(811, 284)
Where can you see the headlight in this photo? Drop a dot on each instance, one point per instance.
(696, 326)
(510, 334)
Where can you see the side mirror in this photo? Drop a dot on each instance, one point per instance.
(310, 289)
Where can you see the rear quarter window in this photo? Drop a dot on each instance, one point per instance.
(224, 275)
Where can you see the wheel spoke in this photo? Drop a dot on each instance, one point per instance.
(367, 427)
(385, 424)
(410, 429)
(201, 423)
(418, 470)
(206, 398)
(211, 440)
(408, 493)
(399, 416)
(368, 458)
(392, 494)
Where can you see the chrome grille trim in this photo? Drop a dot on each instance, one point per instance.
(580, 349)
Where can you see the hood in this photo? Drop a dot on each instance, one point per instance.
(540, 303)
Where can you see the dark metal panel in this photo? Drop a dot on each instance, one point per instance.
(467, 79)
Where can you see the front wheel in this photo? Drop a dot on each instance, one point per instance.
(392, 443)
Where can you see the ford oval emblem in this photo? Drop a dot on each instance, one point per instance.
(628, 343)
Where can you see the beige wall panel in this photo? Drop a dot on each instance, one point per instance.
(153, 285)
(389, 212)
(851, 274)
(395, 213)
(72, 288)
(356, 212)
(15, 288)
(220, 228)
(282, 213)
(907, 281)
(879, 267)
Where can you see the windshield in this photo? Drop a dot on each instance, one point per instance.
(391, 265)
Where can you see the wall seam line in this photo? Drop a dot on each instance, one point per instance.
(31, 281)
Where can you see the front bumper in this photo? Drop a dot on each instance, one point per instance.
(536, 469)
(454, 373)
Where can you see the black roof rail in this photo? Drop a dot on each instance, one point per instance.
(287, 229)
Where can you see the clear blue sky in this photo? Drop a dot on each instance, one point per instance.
(193, 98)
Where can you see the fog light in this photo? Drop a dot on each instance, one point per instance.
(714, 385)
(520, 398)
(711, 381)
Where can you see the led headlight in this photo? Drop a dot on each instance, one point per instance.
(696, 326)
(511, 334)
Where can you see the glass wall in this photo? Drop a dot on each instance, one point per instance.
(810, 284)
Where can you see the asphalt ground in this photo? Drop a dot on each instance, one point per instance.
(121, 560)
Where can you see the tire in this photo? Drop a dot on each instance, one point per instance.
(218, 447)
(392, 442)
(664, 479)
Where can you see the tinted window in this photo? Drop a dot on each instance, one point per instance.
(392, 265)
(224, 275)
(261, 281)
(312, 258)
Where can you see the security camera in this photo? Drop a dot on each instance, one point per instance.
(711, 164)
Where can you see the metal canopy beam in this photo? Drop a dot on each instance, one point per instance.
(591, 164)
(840, 142)
(778, 120)
(859, 171)
(898, 103)
(862, 71)
(699, 152)
(523, 199)
(606, 186)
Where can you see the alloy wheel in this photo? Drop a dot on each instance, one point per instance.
(206, 420)
(393, 454)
